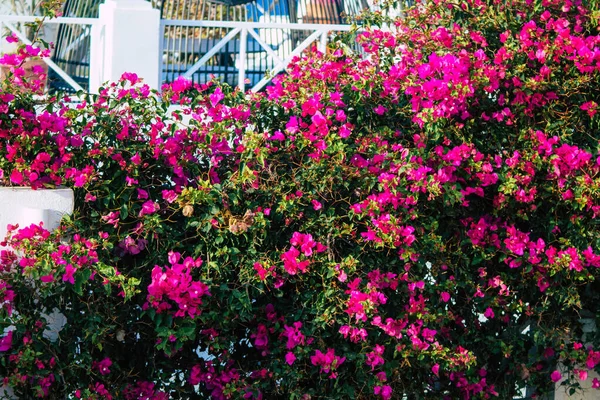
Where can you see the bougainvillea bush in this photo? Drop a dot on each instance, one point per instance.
(418, 221)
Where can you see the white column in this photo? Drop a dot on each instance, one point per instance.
(25, 206)
(588, 327)
(125, 40)
(587, 393)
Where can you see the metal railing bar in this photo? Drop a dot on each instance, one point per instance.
(59, 20)
(211, 53)
(323, 42)
(49, 62)
(282, 65)
(265, 46)
(258, 25)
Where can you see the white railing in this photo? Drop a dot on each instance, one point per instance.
(9, 21)
(237, 38)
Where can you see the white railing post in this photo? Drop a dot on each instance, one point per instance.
(126, 40)
(323, 42)
(242, 67)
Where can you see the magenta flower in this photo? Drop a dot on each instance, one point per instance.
(131, 246)
(216, 97)
(175, 286)
(102, 366)
(261, 338)
(149, 207)
(181, 84)
(169, 196)
(277, 136)
(384, 391)
(6, 342)
(445, 297)
(290, 358)
(374, 358)
(112, 218)
(69, 275)
(291, 263)
(328, 362)
(316, 205)
(355, 334)
(16, 177)
(293, 334)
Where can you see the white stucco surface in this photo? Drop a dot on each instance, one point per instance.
(127, 39)
(25, 207)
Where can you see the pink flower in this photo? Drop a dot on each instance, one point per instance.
(261, 338)
(6, 342)
(149, 207)
(131, 246)
(436, 369)
(131, 77)
(595, 383)
(69, 274)
(112, 218)
(318, 119)
(16, 177)
(290, 358)
(316, 205)
(445, 296)
(516, 241)
(277, 136)
(175, 285)
(169, 196)
(543, 284)
(103, 366)
(291, 263)
(12, 38)
(590, 107)
(293, 334)
(216, 96)
(328, 361)
(384, 391)
(345, 131)
(195, 375)
(142, 194)
(555, 376)
(375, 358)
(181, 84)
(380, 110)
(489, 313)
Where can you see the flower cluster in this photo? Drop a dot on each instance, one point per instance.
(302, 244)
(429, 203)
(175, 284)
(328, 362)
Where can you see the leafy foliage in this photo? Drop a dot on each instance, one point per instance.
(418, 220)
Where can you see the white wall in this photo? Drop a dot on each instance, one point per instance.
(25, 207)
